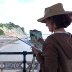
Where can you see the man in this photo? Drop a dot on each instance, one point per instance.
(57, 48)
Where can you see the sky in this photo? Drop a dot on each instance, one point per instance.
(26, 12)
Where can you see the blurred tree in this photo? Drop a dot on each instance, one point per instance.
(1, 32)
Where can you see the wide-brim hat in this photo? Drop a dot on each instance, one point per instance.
(53, 10)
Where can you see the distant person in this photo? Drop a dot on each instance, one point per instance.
(57, 48)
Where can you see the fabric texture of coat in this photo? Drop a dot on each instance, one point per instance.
(57, 53)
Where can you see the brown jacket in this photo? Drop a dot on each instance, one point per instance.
(57, 51)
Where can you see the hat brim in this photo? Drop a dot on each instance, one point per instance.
(44, 19)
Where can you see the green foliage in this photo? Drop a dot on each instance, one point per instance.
(11, 25)
(1, 32)
(22, 29)
(1, 25)
(17, 26)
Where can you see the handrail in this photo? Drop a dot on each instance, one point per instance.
(24, 53)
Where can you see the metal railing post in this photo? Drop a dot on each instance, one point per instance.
(24, 61)
(24, 53)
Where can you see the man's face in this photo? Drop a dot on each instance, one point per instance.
(49, 24)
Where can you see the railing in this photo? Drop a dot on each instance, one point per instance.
(24, 53)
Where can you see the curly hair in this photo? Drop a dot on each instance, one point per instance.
(61, 21)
